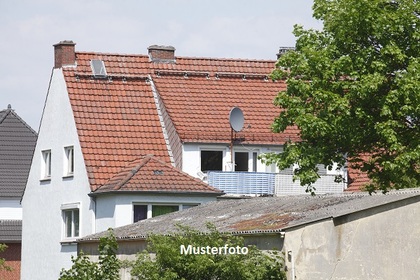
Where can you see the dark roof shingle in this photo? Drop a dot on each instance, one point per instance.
(10, 231)
(17, 144)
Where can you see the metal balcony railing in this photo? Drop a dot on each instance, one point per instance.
(259, 183)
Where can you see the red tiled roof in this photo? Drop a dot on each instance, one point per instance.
(358, 179)
(149, 174)
(199, 107)
(117, 119)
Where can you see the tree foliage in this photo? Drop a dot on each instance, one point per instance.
(3, 265)
(163, 261)
(106, 269)
(353, 89)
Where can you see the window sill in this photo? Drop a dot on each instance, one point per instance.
(68, 176)
(47, 179)
(70, 241)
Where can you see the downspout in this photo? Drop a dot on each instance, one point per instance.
(290, 256)
(93, 198)
(292, 262)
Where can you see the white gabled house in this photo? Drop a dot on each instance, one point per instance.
(93, 166)
(129, 137)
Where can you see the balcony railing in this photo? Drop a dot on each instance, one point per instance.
(259, 183)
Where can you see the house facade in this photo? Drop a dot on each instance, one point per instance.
(129, 137)
(334, 236)
(90, 134)
(17, 143)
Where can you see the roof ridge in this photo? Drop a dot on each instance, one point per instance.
(143, 162)
(181, 57)
(23, 122)
(5, 115)
(182, 172)
(111, 53)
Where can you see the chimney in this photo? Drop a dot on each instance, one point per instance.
(64, 54)
(162, 54)
(283, 50)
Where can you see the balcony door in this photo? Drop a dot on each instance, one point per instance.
(241, 161)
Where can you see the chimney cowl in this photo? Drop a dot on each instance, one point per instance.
(64, 54)
(161, 54)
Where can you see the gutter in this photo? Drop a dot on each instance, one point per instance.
(95, 194)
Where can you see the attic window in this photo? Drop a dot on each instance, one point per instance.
(98, 68)
(158, 172)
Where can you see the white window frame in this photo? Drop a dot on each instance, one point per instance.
(72, 208)
(150, 207)
(46, 165)
(210, 149)
(68, 161)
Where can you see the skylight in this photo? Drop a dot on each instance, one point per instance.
(98, 68)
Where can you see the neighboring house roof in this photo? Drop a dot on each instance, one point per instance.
(10, 231)
(149, 174)
(17, 144)
(261, 215)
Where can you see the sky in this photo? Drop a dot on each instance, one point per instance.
(251, 29)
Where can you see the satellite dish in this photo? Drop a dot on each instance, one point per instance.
(236, 119)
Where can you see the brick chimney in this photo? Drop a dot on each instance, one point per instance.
(162, 54)
(64, 54)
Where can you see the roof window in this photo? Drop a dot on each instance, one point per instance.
(98, 68)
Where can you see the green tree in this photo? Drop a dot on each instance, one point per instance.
(106, 269)
(163, 259)
(353, 89)
(3, 265)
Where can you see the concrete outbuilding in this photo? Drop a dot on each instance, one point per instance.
(340, 236)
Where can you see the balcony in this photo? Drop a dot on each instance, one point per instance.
(259, 183)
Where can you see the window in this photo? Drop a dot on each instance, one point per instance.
(46, 164)
(145, 211)
(211, 160)
(98, 68)
(254, 161)
(68, 161)
(140, 212)
(241, 161)
(158, 210)
(71, 221)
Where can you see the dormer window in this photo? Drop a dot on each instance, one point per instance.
(68, 161)
(98, 68)
(46, 165)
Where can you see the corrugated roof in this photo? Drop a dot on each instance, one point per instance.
(149, 174)
(10, 231)
(17, 144)
(260, 215)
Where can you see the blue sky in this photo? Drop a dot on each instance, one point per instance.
(212, 28)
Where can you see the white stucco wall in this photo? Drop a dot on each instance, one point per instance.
(43, 254)
(191, 156)
(117, 210)
(380, 243)
(10, 209)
